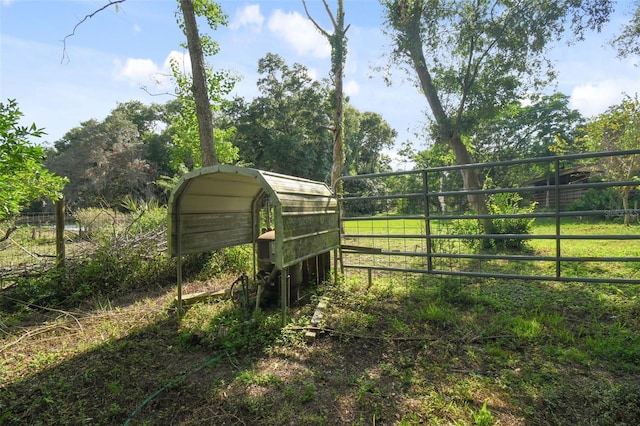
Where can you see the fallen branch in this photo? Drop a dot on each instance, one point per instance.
(34, 255)
(8, 233)
(33, 305)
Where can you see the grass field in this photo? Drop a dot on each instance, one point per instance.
(373, 233)
(403, 350)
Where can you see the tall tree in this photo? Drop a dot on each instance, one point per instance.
(108, 160)
(283, 129)
(338, 42)
(198, 71)
(618, 129)
(366, 137)
(198, 46)
(473, 57)
(526, 131)
(186, 152)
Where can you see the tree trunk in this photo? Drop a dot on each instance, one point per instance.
(471, 179)
(338, 131)
(626, 191)
(199, 88)
(337, 40)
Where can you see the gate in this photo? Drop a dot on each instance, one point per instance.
(420, 221)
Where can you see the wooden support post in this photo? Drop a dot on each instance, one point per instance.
(284, 294)
(60, 242)
(178, 257)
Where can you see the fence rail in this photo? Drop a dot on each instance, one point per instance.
(428, 228)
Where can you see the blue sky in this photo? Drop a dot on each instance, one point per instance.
(114, 53)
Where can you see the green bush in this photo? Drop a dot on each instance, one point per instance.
(499, 204)
(92, 220)
(510, 203)
(125, 252)
(230, 259)
(598, 200)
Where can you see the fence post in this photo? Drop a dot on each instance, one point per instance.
(60, 243)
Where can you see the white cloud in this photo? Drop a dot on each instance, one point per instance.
(136, 70)
(248, 17)
(137, 28)
(299, 33)
(592, 99)
(145, 72)
(312, 73)
(351, 88)
(183, 60)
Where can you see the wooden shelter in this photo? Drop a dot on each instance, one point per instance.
(220, 206)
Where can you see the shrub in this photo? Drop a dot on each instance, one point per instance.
(598, 200)
(499, 204)
(230, 259)
(126, 251)
(509, 203)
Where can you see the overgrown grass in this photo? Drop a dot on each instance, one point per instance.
(402, 350)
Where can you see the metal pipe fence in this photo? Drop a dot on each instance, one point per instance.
(561, 218)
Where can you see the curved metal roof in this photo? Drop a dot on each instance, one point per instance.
(217, 207)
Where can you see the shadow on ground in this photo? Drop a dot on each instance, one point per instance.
(397, 353)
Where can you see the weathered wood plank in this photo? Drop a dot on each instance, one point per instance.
(213, 203)
(202, 222)
(303, 247)
(193, 298)
(317, 317)
(308, 224)
(213, 240)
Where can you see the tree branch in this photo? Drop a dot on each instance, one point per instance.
(150, 93)
(326, 7)
(91, 15)
(8, 233)
(318, 27)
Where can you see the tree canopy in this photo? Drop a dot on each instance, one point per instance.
(367, 135)
(23, 177)
(627, 43)
(122, 155)
(618, 129)
(284, 128)
(471, 59)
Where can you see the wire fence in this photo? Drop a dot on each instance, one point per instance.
(30, 245)
(27, 245)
